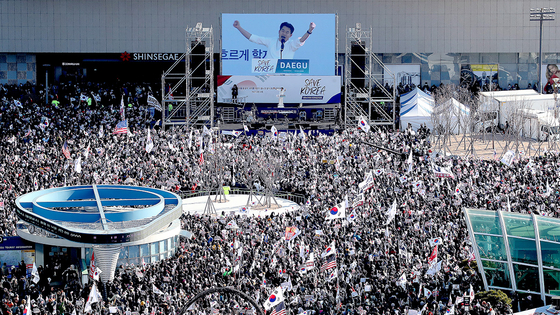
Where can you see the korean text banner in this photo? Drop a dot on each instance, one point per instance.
(267, 89)
(258, 44)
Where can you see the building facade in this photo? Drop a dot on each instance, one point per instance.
(439, 39)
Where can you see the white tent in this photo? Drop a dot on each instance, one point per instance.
(489, 100)
(488, 97)
(416, 109)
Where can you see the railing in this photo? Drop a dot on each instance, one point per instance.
(297, 198)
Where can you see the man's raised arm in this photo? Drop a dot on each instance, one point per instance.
(241, 29)
(309, 31)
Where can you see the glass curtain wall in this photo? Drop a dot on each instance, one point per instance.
(517, 252)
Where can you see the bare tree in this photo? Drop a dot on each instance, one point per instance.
(249, 175)
(512, 117)
(260, 172)
(455, 115)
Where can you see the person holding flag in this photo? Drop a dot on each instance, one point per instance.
(432, 260)
(35, 274)
(65, 150)
(94, 296)
(149, 143)
(153, 102)
(96, 274)
(122, 109)
(27, 310)
(121, 127)
(363, 124)
(392, 212)
(275, 298)
(329, 250)
(92, 265)
(337, 212)
(274, 132)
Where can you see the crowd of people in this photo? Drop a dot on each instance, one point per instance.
(382, 264)
(405, 88)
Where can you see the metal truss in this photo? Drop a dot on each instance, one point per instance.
(190, 91)
(359, 84)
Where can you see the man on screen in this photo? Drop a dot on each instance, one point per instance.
(282, 47)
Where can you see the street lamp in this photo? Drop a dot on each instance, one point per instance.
(541, 14)
(46, 65)
(555, 89)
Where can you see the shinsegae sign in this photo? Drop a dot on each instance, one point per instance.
(139, 56)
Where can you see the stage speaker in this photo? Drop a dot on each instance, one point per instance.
(197, 63)
(358, 66)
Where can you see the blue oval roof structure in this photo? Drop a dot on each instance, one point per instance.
(100, 214)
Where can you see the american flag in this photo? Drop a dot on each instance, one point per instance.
(310, 262)
(280, 309)
(65, 150)
(329, 263)
(121, 127)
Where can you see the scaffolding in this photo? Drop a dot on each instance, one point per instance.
(190, 91)
(364, 71)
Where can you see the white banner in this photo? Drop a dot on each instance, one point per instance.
(267, 89)
(507, 159)
(405, 74)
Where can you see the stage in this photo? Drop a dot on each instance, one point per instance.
(234, 205)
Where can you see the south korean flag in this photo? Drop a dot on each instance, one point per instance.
(275, 298)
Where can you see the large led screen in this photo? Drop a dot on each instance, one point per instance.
(278, 44)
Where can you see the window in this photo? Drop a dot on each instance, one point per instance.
(491, 247)
(549, 229)
(526, 278)
(519, 225)
(144, 250)
(154, 248)
(524, 251)
(485, 222)
(124, 253)
(133, 251)
(550, 254)
(497, 274)
(551, 281)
